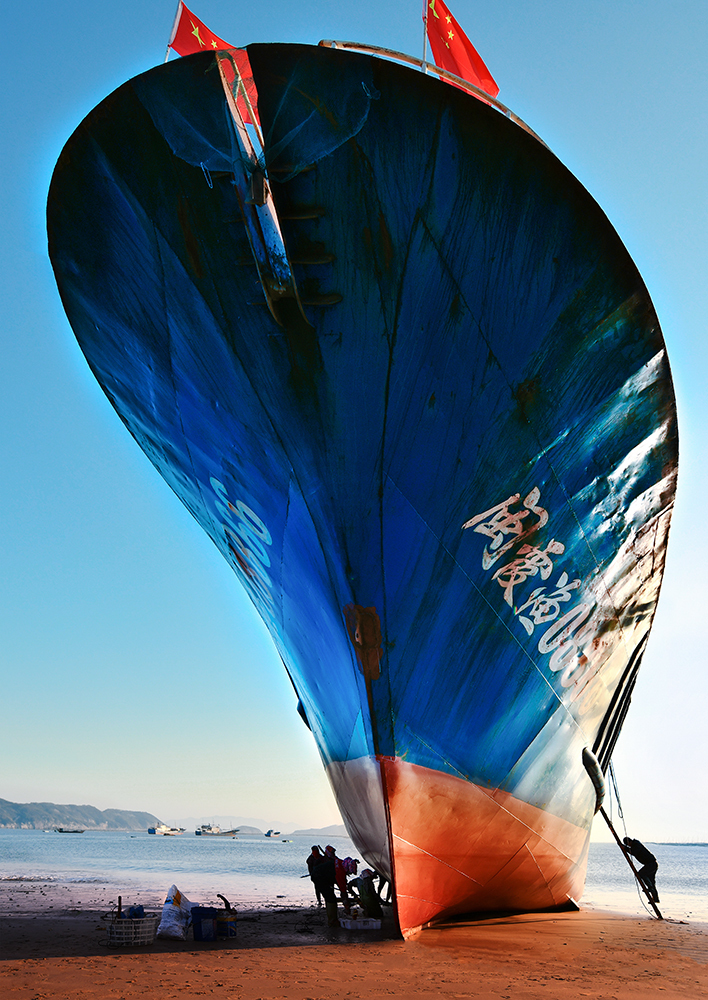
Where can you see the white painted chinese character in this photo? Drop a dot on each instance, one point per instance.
(543, 607)
(529, 562)
(500, 521)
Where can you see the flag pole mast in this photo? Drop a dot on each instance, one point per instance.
(174, 29)
(425, 35)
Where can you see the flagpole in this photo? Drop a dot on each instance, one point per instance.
(425, 35)
(174, 29)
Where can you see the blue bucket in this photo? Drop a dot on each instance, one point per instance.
(204, 923)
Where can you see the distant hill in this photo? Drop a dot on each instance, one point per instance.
(47, 815)
(337, 830)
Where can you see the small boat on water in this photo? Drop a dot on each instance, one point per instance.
(211, 830)
(61, 829)
(166, 831)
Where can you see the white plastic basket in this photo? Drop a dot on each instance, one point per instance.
(362, 924)
(130, 933)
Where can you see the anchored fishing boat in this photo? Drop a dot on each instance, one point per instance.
(395, 360)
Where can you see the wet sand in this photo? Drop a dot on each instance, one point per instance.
(53, 945)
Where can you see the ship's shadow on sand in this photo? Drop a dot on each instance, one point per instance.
(78, 932)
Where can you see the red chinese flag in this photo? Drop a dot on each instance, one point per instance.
(452, 50)
(190, 35)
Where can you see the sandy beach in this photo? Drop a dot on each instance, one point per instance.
(52, 945)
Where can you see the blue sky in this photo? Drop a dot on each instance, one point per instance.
(134, 672)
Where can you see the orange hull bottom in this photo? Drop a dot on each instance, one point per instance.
(461, 848)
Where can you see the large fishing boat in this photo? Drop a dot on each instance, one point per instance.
(395, 360)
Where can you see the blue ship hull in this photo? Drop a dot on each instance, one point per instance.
(432, 430)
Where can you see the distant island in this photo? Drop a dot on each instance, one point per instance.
(47, 815)
(336, 830)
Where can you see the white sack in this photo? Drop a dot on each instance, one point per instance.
(175, 915)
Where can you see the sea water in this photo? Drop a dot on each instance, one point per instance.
(252, 870)
(682, 881)
(248, 869)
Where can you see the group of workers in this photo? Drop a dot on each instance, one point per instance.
(327, 871)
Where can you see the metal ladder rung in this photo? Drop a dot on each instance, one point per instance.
(331, 299)
(288, 168)
(323, 258)
(306, 212)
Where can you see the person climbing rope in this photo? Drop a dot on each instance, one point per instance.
(647, 873)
